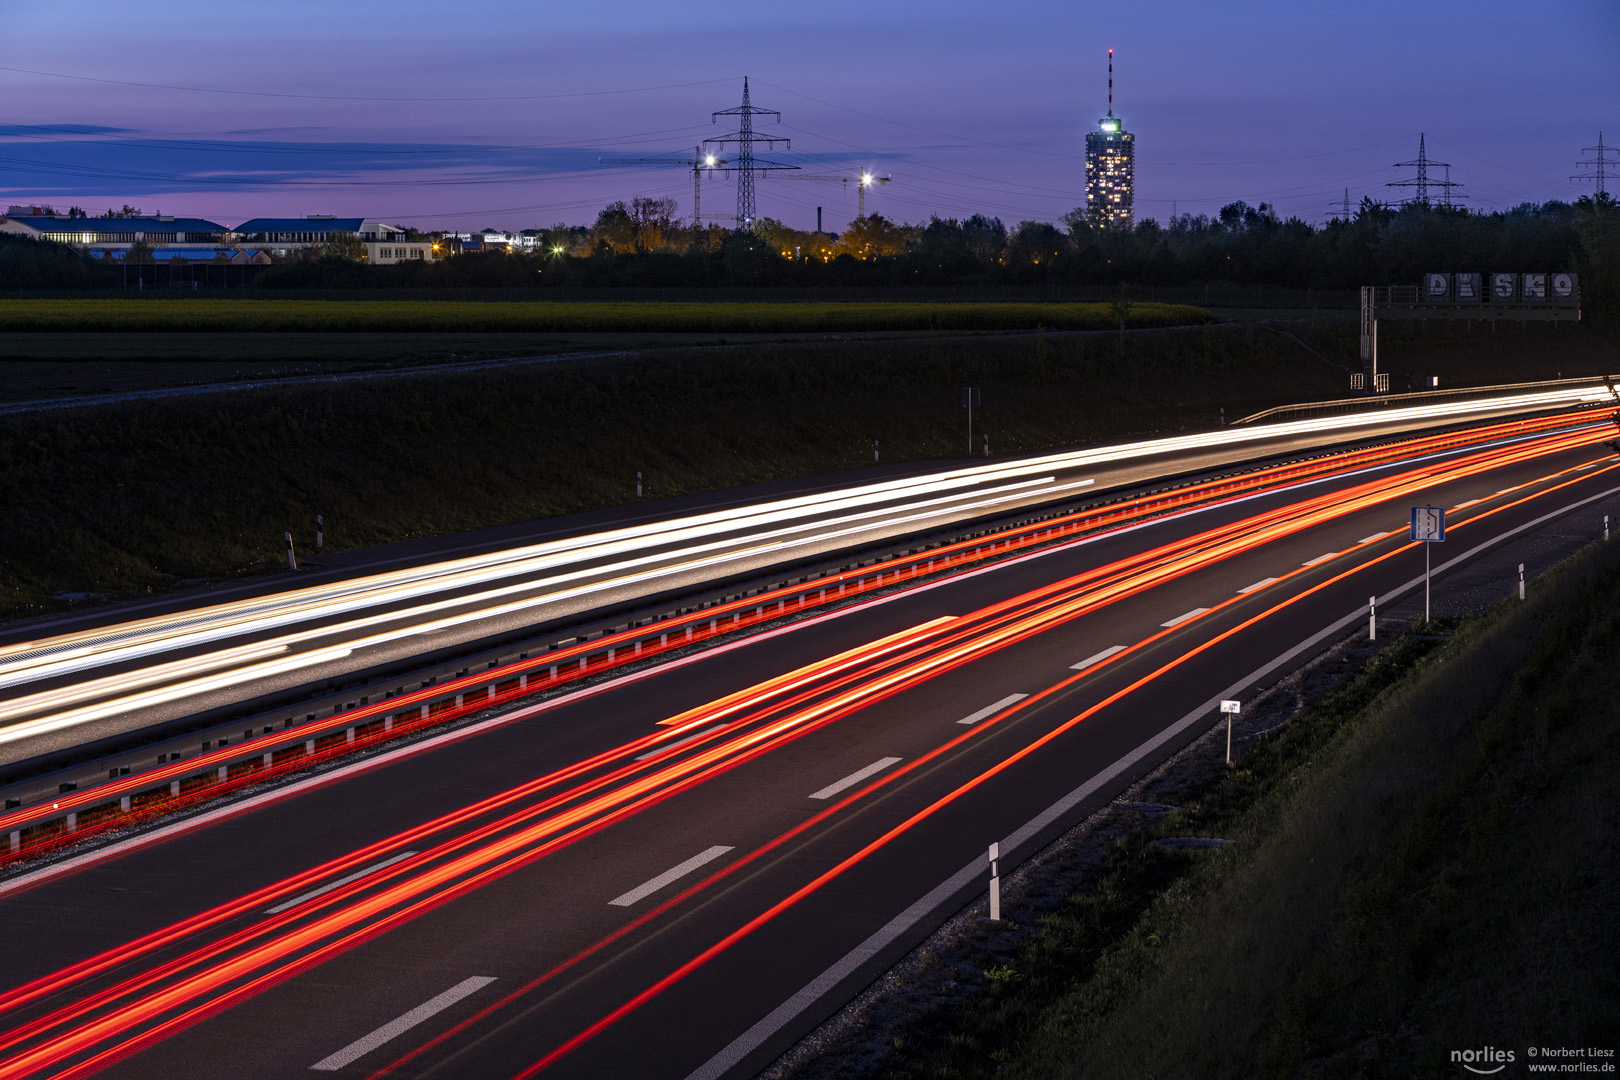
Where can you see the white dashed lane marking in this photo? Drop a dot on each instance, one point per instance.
(673, 874)
(991, 710)
(395, 1028)
(855, 777)
(1179, 619)
(1093, 661)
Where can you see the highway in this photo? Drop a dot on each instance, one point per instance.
(678, 871)
(78, 685)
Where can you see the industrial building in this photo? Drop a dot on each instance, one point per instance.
(1110, 168)
(197, 240)
(385, 244)
(117, 233)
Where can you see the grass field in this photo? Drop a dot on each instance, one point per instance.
(114, 499)
(370, 316)
(1426, 862)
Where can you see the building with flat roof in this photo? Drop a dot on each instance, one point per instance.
(159, 230)
(384, 243)
(1110, 168)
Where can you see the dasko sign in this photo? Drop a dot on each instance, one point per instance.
(1555, 289)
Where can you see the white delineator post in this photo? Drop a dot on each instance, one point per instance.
(1231, 709)
(874, 451)
(638, 483)
(1521, 581)
(320, 531)
(1372, 618)
(995, 883)
(292, 560)
(986, 446)
(1605, 526)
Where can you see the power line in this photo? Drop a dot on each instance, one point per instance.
(356, 97)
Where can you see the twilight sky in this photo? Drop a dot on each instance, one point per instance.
(494, 113)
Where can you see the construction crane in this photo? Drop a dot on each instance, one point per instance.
(865, 179)
(699, 162)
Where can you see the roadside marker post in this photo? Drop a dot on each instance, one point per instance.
(320, 531)
(970, 399)
(874, 451)
(638, 483)
(1428, 527)
(1372, 618)
(1605, 526)
(292, 559)
(1231, 709)
(986, 446)
(1521, 581)
(995, 883)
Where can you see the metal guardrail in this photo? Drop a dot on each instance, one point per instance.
(1384, 401)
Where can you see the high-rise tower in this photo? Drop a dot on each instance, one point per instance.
(1110, 168)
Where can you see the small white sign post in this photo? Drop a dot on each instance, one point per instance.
(1231, 709)
(995, 883)
(1428, 527)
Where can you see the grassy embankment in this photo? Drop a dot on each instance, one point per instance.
(1428, 861)
(114, 499)
(549, 316)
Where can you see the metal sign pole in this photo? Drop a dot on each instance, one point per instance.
(1428, 527)
(1231, 709)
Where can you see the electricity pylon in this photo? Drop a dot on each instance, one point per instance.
(746, 163)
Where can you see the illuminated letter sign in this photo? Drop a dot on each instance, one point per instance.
(1466, 287)
(1504, 286)
(1563, 287)
(1437, 286)
(1533, 290)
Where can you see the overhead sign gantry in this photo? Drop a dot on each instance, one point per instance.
(1545, 297)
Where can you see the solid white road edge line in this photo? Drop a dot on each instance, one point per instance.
(678, 743)
(783, 1014)
(395, 1028)
(674, 873)
(339, 883)
(1179, 619)
(1097, 658)
(856, 777)
(1262, 583)
(991, 710)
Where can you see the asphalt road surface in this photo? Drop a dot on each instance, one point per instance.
(678, 872)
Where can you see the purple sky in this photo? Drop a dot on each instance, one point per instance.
(299, 107)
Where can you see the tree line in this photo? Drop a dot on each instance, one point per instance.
(643, 243)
